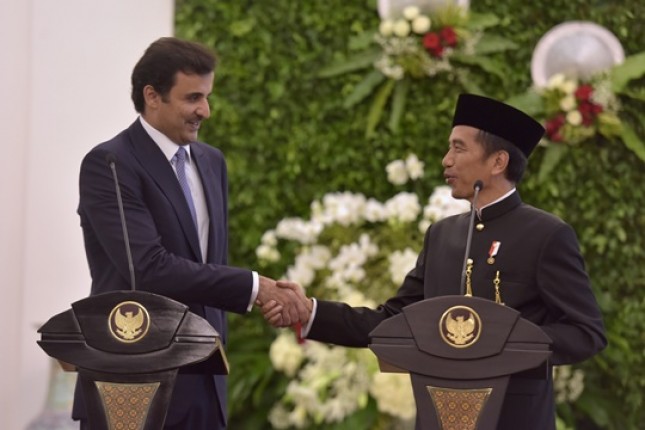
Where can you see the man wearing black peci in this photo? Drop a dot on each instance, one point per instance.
(536, 254)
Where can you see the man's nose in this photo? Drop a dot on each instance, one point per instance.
(204, 109)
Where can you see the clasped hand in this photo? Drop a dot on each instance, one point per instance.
(283, 302)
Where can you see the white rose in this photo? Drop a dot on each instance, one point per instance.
(555, 81)
(411, 12)
(568, 103)
(397, 173)
(401, 28)
(574, 117)
(386, 27)
(569, 86)
(421, 24)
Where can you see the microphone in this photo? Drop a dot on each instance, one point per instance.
(111, 160)
(477, 187)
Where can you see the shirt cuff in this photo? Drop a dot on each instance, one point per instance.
(304, 332)
(254, 293)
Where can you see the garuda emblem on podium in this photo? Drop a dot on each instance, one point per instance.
(129, 322)
(460, 326)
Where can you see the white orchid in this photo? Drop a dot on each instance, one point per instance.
(414, 167)
(397, 172)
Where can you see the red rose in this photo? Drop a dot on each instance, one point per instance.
(449, 36)
(438, 51)
(553, 126)
(589, 112)
(431, 41)
(584, 92)
(585, 107)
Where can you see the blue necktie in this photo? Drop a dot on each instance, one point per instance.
(180, 165)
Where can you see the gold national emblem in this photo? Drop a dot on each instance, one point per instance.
(460, 326)
(129, 322)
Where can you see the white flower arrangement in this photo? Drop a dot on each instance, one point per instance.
(568, 383)
(357, 250)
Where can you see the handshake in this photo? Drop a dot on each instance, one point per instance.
(283, 303)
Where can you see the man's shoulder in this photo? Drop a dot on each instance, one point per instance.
(117, 141)
(207, 150)
(540, 215)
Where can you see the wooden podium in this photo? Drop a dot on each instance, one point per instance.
(460, 352)
(128, 347)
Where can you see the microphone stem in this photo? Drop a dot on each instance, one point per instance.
(469, 239)
(123, 225)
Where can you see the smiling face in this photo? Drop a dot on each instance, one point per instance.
(466, 162)
(179, 113)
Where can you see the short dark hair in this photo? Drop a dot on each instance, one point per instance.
(161, 62)
(516, 159)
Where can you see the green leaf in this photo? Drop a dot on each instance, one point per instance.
(632, 141)
(482, 20)
(591, 407)
(377, 107)
(355, 62)
(487, 64)
(361, 41)
(552, 156)
(530, 102)
(469, 85)
(398, 103)
(364, 88)
(242, 27)
(633, 67)
(634, 93)
(490, 43)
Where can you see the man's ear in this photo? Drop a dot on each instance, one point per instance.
(151, 97)
(500, 161)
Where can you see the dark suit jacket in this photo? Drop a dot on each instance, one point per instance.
(542, 275)
(164, 243)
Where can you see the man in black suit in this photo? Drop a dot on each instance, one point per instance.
(536, 254)
(175, 199)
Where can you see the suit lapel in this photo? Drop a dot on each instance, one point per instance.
(155, 163)
(213, 201)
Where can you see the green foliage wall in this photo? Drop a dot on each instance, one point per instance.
(288, 140)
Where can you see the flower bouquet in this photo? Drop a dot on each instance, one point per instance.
(575, 112)
(418, 45)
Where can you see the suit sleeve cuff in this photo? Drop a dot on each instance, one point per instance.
(305, 330)
(254, 293)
